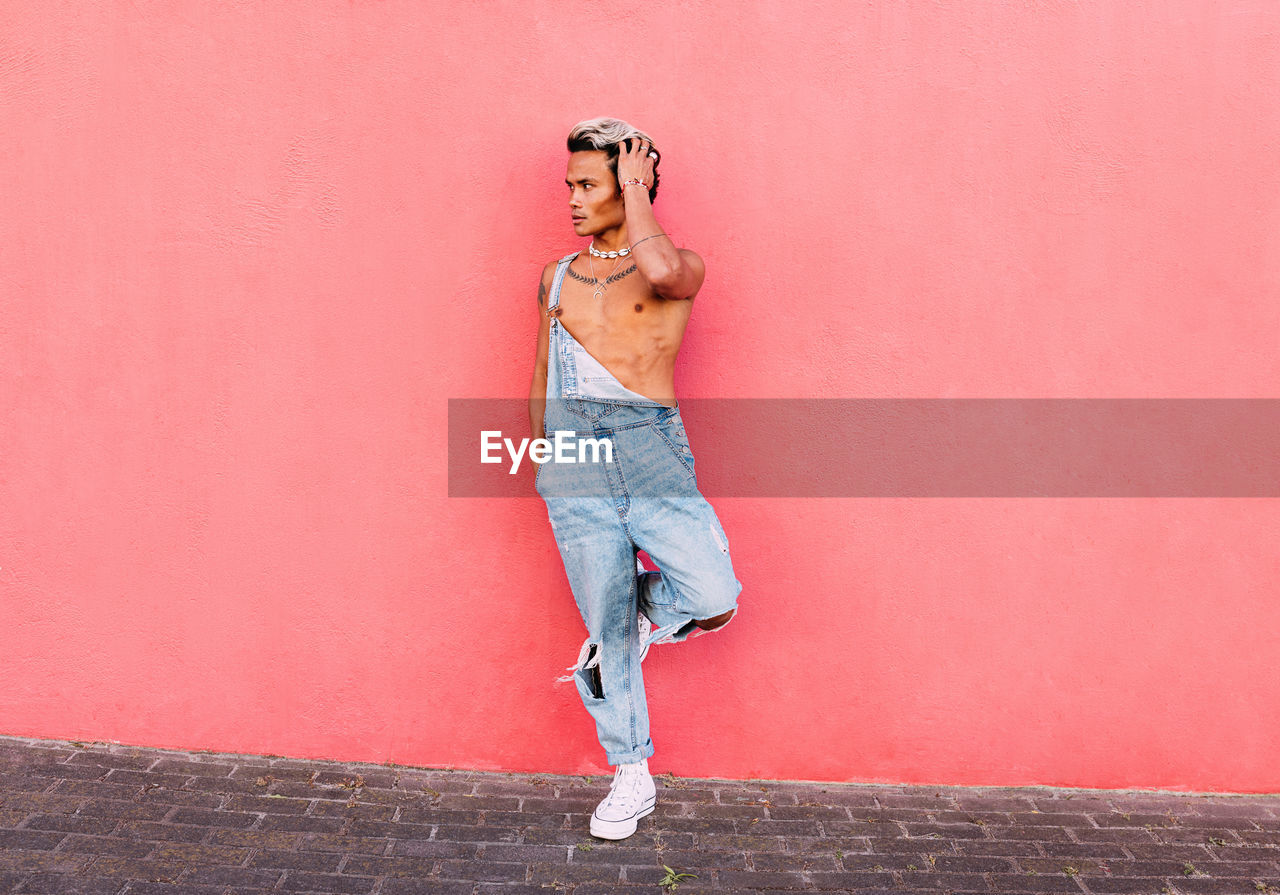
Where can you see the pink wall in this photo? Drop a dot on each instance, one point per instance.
(246, 258)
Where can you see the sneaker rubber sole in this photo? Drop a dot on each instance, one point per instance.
(621, 829)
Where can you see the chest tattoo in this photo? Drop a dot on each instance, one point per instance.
(613, 279)
(621, 274)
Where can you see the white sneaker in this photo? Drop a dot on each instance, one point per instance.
(646, 626)
(632, 796)
(643, 620)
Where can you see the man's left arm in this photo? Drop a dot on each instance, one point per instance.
(672, 273)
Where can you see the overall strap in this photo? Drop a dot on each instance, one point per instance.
(561, 267)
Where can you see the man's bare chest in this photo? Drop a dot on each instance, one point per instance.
(619, 305)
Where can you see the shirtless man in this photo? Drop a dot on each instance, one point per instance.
(611, 320)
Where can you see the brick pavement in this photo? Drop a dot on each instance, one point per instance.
(99, 818)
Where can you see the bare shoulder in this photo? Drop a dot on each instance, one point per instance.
(544, 284)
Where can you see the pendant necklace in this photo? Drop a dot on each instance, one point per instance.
(600, 287)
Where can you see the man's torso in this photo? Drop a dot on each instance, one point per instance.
(634, 333)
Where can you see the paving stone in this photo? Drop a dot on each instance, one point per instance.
(862, 827)
(970, 864)
(361, 811)
(18, 859)
(977, 818)
(922, 798)
(1167, 852)
(209, 875)
(377, 865)
(1191, 885)
(925, 879)
(574, 873)
(129, 777)
(850, 881)
(1079, 864)
(68, 823)
(425, 848)
(1137, 885)
(944, 831)
(1115, 834)
(82, 790)
(289, 823)
(139, 761)
(807, 863)
(1047, 819)
(758, 827)
(700, 824)
(205, 817)
(1258, 837)
(808, 812)
(295, 860)
(1067, 803)
(715, 810)
(737, 880)
(911, 847)
(39, 840)
(136, 869)
(251, 838)
(66, 884)
(1028, 883)
(525, 854)
(1004, 847)
(310, 881)
(519, 819)
(458, 833)
(879, 863)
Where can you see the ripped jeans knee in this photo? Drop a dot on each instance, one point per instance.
(587, 669)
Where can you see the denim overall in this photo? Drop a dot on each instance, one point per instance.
(602, 512)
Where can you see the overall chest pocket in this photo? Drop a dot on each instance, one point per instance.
(670, 432)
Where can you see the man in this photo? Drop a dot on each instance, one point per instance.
(611, 320)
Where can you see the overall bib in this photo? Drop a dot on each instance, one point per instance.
(602, 510)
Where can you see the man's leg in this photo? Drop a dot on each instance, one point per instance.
(599, 561)
(695, 589)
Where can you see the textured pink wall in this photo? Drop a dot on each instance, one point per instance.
(248, 253)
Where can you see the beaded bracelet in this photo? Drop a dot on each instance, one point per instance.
(633, 180)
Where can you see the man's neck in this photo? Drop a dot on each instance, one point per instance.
(610, 240)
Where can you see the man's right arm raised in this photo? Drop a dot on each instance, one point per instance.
(538, 388)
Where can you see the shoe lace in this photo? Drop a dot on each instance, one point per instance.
(624, 792)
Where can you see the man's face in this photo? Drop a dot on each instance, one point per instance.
(594, 202)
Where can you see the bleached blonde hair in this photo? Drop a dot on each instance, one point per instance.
(607, 134)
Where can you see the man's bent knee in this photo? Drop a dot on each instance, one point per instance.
(710, 624)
